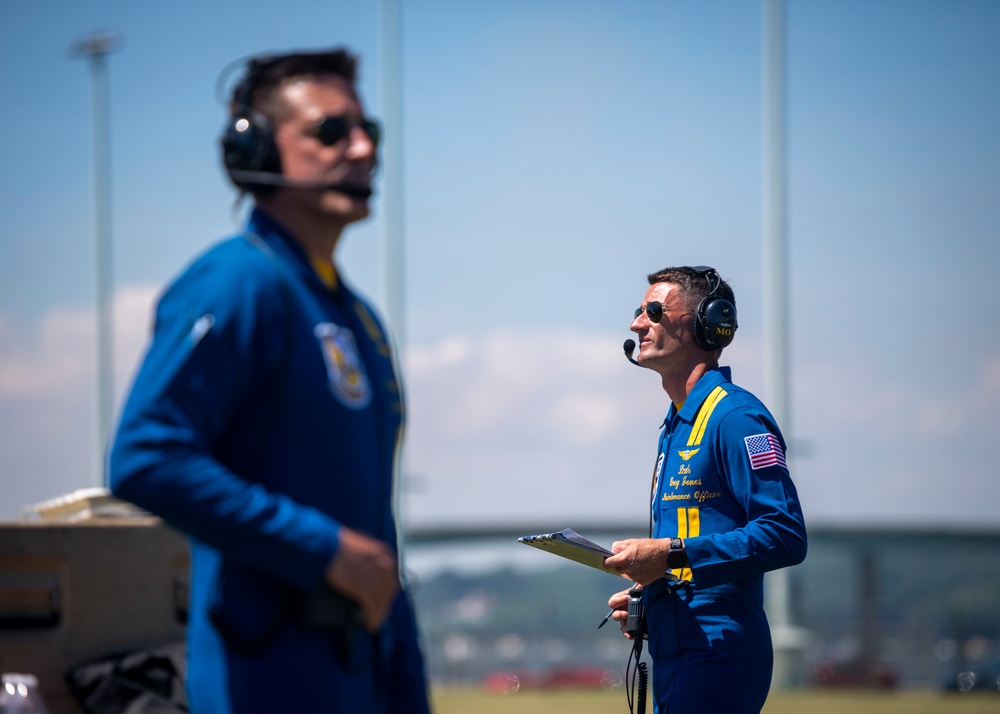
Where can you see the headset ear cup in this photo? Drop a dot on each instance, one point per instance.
(248, 145)
(715, 323)
(699, 327)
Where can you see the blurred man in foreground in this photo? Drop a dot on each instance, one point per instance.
(265, 418)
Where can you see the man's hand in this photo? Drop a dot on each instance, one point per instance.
(619, 603)
(365, 569)
(641, 560)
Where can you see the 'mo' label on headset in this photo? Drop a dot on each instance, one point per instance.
(346, 372)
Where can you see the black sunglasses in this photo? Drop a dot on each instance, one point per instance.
(332, 130)
(654, 311)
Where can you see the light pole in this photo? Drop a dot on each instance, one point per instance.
(393, 274)
(789, 640)
(96, 48)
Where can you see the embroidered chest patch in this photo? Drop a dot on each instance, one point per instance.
(344, 368)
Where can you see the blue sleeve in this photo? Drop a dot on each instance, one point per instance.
(774, 535)
(219, 336)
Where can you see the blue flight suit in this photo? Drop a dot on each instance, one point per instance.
(265, 415)
(722, 485)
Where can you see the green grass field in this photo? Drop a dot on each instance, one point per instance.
(462, 701)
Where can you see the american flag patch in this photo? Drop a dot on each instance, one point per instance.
(764, 450)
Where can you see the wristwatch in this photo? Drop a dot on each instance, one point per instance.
(676, 557)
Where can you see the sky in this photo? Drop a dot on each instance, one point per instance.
(554, 153)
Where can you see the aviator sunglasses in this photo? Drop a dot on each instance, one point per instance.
(654, 311)
(332, 130)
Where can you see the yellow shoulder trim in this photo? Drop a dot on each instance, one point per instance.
(701, 421)
(368, 320)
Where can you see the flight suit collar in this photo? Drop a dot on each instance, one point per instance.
(284, 243)
(702, 388)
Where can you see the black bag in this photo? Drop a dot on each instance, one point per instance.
(146, 681)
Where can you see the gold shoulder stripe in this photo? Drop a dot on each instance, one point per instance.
(371, 327)
(701, 421)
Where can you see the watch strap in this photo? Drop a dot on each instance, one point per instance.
(676, 556)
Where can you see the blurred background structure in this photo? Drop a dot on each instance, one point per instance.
(873, 613)
(551, 155)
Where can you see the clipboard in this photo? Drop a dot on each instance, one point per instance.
(569, 544)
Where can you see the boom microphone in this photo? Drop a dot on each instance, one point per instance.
(267, 178)
(629, 347)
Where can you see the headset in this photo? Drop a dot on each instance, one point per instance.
(715, 319)
(247, 141)
(249, 151)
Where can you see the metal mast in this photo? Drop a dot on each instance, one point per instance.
(788, 639)
(393, 284)
(96, 48)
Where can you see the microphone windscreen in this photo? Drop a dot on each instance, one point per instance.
(629, 346)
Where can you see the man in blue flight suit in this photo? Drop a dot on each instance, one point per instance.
(265, 418)
(724, 509)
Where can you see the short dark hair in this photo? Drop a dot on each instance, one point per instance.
(694, 284)
(265, 74)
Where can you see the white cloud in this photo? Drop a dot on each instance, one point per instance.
(888, 451)
(52, 362)
(532, 426)
(549, 428)
(569, 432)
(133, 319)
(57, 358)
(48, 436)
(505, 383)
